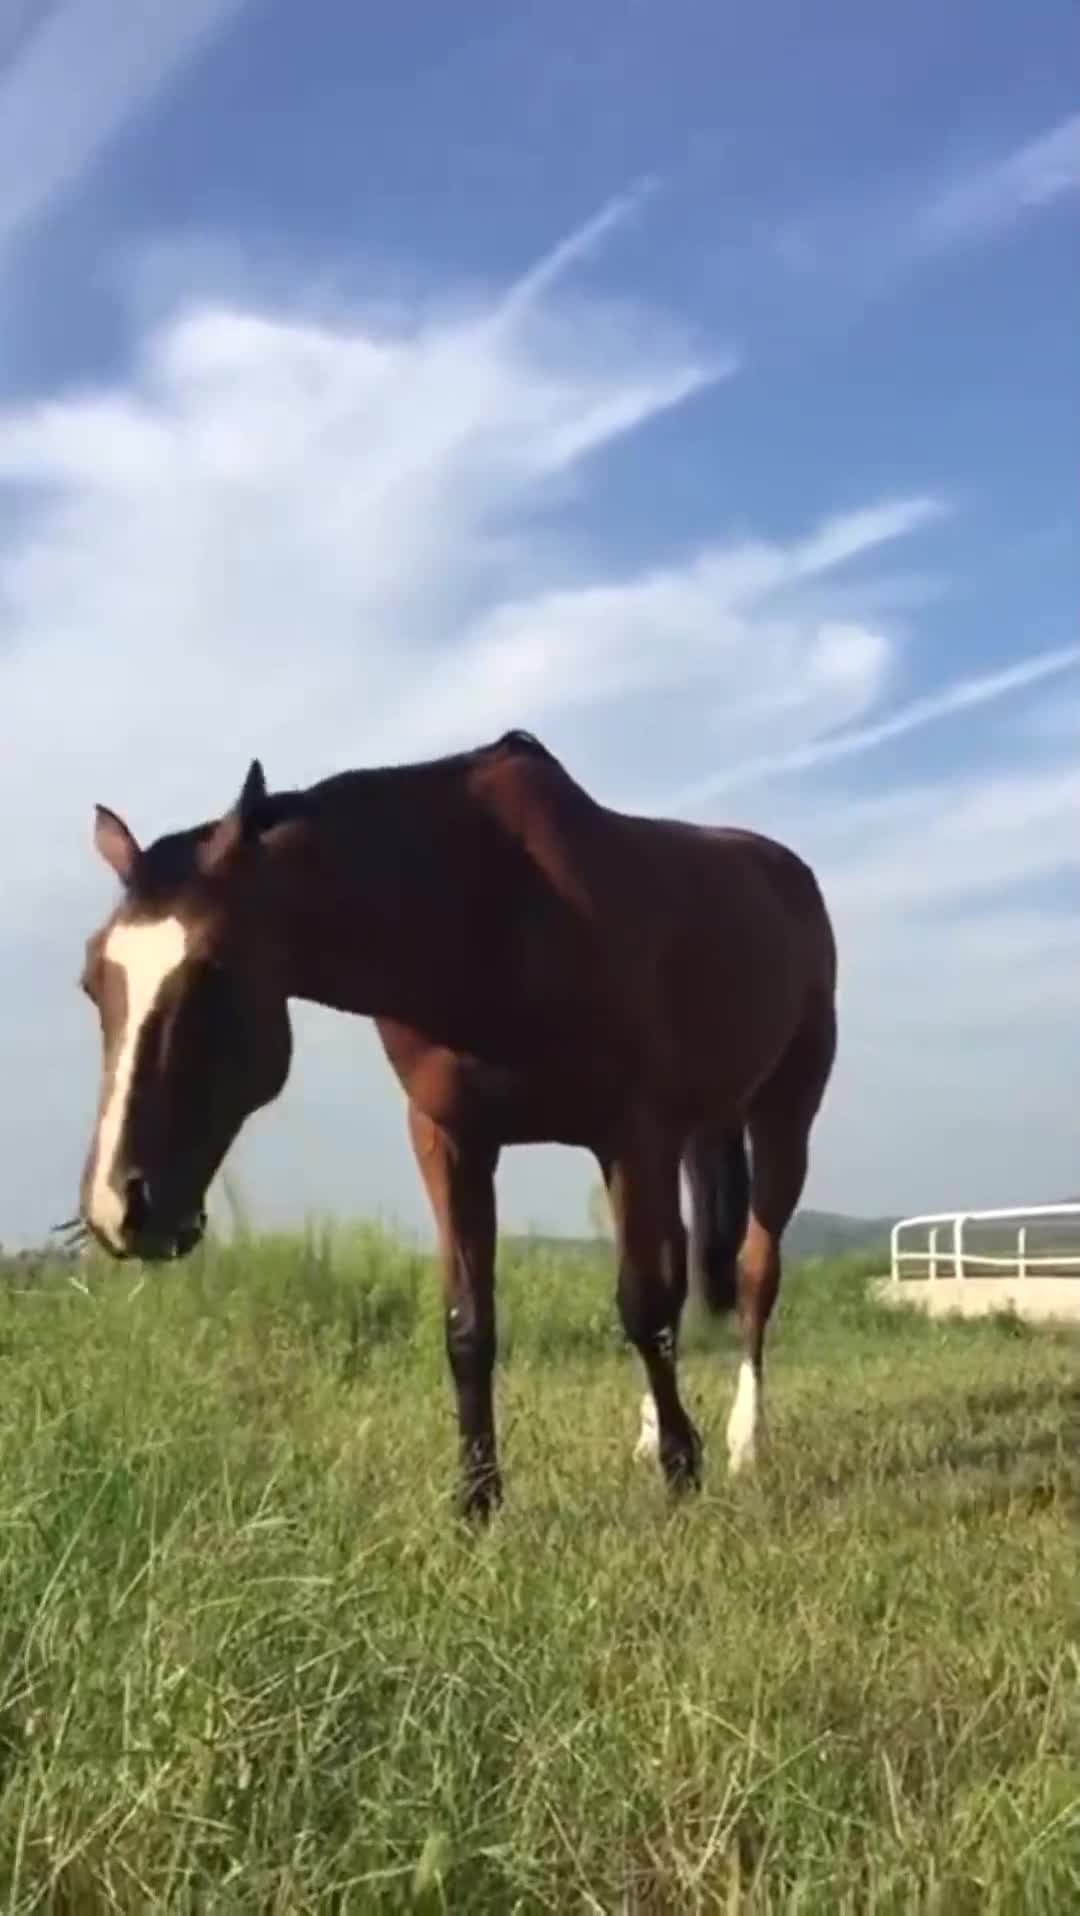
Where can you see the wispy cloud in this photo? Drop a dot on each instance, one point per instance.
(1003, 188)
(545, 274)
(725, 629)
(946, 845)
(273, 518)
(75, 80)
(954, 901)
(962, 695)
(861, 245)
(849, 534)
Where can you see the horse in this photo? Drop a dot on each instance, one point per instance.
(539, 968)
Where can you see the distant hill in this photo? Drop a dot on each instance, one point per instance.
(834, 1233)
(810, 1234)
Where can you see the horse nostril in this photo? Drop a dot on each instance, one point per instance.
(137, 1203)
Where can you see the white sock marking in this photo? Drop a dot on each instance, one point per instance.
(147, 955)
(648, 1443)
(744, 1423)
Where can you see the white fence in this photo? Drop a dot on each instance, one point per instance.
(947, 1248)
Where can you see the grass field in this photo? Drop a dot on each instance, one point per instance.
(248, 1662)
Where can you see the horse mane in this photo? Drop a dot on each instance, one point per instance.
(168, 861)
(505, 746)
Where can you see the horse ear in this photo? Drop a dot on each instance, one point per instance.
(239, 825)
(252, 793)
(115, 843)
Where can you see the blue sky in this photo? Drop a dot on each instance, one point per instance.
(696, 386)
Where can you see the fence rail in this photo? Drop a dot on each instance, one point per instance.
(946, 1253)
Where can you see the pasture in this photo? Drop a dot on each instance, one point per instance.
(249, 1663)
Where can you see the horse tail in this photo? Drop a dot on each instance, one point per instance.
(718, 1177)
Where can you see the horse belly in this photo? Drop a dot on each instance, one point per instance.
(566, 1096)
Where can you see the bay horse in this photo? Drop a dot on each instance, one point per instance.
(540, 968)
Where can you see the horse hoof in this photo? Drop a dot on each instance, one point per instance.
(682, 1468)
(479, 1498)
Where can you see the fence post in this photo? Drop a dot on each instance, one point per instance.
(894, 1252)
(958, 1245)
(1021, 1250)
(933, 1250)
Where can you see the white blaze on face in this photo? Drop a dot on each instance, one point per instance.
(147, 955)
(744, 1424)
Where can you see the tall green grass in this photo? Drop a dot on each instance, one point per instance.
(248, 1661)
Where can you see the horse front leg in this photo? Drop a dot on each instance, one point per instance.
(459, 1178)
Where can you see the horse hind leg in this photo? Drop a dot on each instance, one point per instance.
(779, 1125)
(718, 1186)
(643, 1182)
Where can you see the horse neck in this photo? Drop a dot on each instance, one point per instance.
(390, 910)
